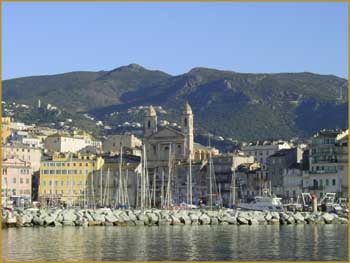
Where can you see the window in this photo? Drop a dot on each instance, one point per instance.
(58, 171)
(56, 183)
(64, 171)
(321, 182)
(52, 171)
(185, 122)
(27, 181)
(14, 180)
(62, 182)
(327, 182)
(44, 183)
(149, 124)
(4, 171)
(86, 172)
(333, 182)
(21, 180)
(86, 164)
(50, 183)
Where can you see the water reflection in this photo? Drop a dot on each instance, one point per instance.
(190, 243)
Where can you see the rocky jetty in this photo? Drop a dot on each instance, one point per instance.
(155, 217)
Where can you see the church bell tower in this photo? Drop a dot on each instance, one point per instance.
(150, 125)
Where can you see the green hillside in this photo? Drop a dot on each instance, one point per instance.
(226, 103)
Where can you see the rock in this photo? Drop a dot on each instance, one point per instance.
(69, 216)
(185, 219)
(204, 219)
(299, 219)
(194, 219)
(98, 218)
(268, 217)
(38, 221)
(111, 218)
(175, 220)
(49, 220)
(328, 218)
(242, 220)
(343, 220)
(274, 221)
(232, 220)
(214, 221)
(152, 218)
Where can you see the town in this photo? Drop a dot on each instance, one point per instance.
(163, 167)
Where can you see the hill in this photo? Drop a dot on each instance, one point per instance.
(231, 104)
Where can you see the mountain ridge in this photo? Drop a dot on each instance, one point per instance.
(240, 105)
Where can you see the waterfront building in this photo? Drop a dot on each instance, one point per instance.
(328, 163)
(292, 181)
(65, 178)
(224, 167)
(23, 152)
(16, 180)
(250, 181)
(276, 164)
(261, 150)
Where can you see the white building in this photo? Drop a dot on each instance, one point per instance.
(68, 143)
(262, 150)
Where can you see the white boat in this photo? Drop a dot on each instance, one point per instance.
(263, 203)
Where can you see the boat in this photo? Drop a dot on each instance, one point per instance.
(263, 203)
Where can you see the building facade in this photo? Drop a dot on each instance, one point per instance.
(23, 152)
(16, 180)
(65, 178)
(328, 163)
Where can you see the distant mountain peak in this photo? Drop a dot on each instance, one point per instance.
(130, 67)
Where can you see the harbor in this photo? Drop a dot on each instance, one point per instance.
(177, 243)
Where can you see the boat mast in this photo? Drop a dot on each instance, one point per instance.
(190, 175)
(162, 190)
(210, 179)
(154, 189)
(101, 203)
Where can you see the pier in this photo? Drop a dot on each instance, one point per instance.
(155, 217)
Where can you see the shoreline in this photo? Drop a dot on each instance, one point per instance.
(52, 217)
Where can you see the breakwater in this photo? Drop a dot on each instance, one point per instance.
(150, 217)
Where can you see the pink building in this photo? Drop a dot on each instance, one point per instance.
(16, 180)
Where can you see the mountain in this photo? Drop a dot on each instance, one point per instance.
(81, 91)
(226, 103)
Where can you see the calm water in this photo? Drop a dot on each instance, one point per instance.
(231, 243)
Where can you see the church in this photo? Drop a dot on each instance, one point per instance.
(169, 149)
(170, 142)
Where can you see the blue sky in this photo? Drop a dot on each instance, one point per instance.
(50, 38)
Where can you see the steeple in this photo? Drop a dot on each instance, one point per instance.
(150, 125)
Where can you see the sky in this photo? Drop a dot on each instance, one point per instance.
(52, 38)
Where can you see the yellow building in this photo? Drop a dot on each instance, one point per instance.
(67, 178)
